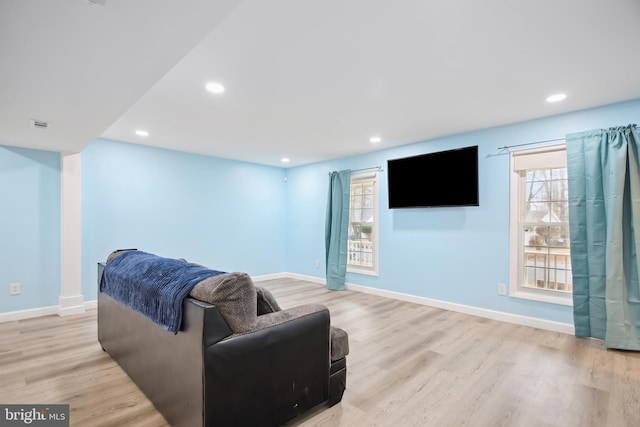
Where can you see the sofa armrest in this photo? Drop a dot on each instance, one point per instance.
(280, 317)
(279, 370)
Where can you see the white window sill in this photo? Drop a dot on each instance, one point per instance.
(551, 299)
(356, 270)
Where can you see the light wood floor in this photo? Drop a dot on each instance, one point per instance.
(409, 365)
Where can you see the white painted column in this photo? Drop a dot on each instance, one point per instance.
(71, 300)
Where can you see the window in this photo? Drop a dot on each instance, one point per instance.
(540, 265)
(362, 256)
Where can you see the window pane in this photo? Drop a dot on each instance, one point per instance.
(368, 201)
(536, 191)
(559, 237)
(560, 211)
(559, 190)
(361, 253)
(546, 258)
(362, 224)
(559, 173)
(538, 175)
(533, 237)
(536, 212)
(367, 215)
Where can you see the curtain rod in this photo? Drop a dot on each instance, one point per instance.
(530, 143)
(541, 142)
(375, 168)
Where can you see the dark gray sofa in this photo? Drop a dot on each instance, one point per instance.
(264, 373)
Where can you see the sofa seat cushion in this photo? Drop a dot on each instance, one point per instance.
(234, 295)
(339, 338)
(339, 343)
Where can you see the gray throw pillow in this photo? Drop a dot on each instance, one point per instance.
(117, 252)
(234, 294)
(266, 301)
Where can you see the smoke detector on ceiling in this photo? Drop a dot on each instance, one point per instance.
(39, 124)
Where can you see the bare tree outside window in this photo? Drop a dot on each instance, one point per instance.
(362, 224)
(545, 222)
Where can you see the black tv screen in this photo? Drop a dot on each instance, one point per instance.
(440, 179)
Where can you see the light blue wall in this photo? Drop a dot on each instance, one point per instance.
(224, 214)
(29, 228)
(457, 255)
(240, 216)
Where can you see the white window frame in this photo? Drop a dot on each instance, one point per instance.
(370, 271)
(546, 157)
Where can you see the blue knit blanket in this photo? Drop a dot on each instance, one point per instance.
(152, 285)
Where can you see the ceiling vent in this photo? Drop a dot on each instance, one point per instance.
(39, 124)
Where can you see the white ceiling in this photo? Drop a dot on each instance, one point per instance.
(309, 80)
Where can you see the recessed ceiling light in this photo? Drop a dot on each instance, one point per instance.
(142, 133)
(39, 124)
(214, 87)
(375, 139)
(285, 160)
(557, 97)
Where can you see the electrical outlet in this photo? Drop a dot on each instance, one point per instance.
(317, 263)
(14, 289)
(502, 289)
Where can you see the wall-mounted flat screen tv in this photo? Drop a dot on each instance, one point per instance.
(440, 179)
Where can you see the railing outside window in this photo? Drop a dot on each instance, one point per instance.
(363, 226)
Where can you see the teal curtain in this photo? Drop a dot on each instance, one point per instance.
(604, 219)
(337, 229)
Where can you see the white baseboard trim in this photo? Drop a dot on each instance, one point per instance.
(502, 316)
(516, 319)
(296, 276)
(71, 305)
(28, 313)
(270, 277)
(46, 311)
